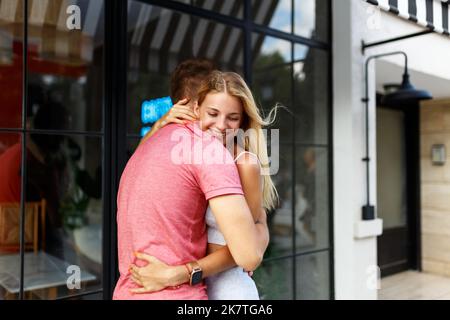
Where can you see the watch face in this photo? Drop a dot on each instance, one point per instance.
(196, 277)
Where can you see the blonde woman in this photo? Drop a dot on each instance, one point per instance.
(225, 105)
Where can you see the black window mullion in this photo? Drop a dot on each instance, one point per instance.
(330, 154)
(294, 260)
(248, 62)
(23, 172)
(115, 103)
(296, 255)
(54, 132)
(80, 295)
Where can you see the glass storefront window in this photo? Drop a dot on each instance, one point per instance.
(64, 195)
(63, 209)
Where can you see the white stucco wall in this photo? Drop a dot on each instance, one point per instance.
(352, 256)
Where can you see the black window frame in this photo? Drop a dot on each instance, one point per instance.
(249, 27)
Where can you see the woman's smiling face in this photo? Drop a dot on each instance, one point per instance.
(219, 112)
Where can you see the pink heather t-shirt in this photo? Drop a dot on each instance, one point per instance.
(162, 200)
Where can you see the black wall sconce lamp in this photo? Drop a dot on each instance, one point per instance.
(405, 95)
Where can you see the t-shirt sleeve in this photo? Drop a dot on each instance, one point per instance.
(217, 174)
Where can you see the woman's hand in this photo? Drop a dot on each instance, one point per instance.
(155, 276)
(181, 112)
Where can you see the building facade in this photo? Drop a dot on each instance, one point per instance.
(82, 80)
(400, 168)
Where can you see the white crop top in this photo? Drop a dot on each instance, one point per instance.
(214, 234)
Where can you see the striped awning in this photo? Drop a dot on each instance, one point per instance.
(160, 38)
(432, 14)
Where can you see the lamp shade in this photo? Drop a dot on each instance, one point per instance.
(406, 95)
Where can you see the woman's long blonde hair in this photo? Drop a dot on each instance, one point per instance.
(234, 85)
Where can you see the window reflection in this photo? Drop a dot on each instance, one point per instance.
(132, 144)
(274, 280)
(63, 210)
(313, 276)
(311, 204)
(272, 86)
(60, 172)
(232, 8)
(274, 14)
(280, 219)
(11, 48)
(159, 39)
(272, 81)
(311, 19)
(271, 50)
(311, 100)
(67, 63)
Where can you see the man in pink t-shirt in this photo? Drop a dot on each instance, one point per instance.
(162, 200)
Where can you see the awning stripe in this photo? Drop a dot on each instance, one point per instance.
(429, 11)
(432, 14)
(159, 38)
(8, 10)
(393, 6)
(38, 10)
(437, 16)
(421, 13)
(403, 10)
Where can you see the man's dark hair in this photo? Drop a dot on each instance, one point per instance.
(187, 78)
